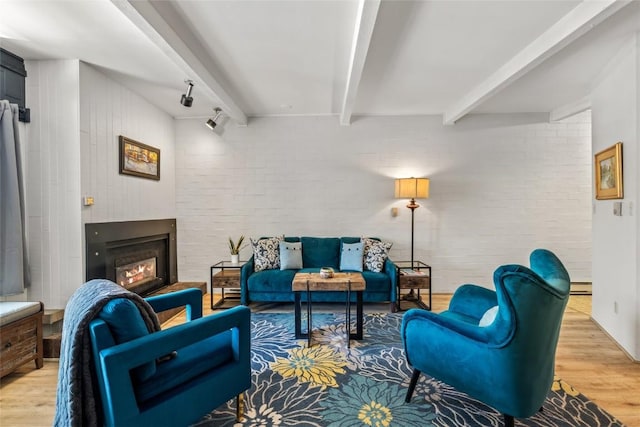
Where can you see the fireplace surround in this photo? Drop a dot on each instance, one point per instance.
(115, 246)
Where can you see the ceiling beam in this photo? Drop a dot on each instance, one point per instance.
(166, 29)
(365, 22)
(569, 110)
(577, 22)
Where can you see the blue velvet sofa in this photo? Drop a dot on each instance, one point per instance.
(274, 285)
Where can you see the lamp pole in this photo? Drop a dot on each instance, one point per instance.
(413, 206)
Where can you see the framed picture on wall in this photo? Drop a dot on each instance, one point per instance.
(608, 164)
(139, 159)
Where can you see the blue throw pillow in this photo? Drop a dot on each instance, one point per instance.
(290, 255)
(488, 317)
(126, 324)
(351, 256)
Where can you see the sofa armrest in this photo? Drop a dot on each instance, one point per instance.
(191, 298)
(245, 272)
(391, 270)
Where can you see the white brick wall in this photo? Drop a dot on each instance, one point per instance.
(500, 187)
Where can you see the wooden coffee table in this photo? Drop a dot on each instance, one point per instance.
(340, 282)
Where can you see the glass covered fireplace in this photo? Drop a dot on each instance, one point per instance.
(136, 273)
(138, 255)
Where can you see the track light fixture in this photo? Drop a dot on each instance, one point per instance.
(212, 123)
(186, 99)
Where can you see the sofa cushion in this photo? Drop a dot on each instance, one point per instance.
(290, 255)
(375, 254)
(271, 281)
(190, 363)
(126, 324)
(320, 252)
(266, 253)
(351, 256)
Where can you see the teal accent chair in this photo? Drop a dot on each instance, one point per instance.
(175, 376)
(508, 362)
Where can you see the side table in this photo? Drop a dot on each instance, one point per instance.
(228, 277)
(416, 276)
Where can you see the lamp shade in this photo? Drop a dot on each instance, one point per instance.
(412, 188)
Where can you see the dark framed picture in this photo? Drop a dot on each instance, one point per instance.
(139, 159)
(608, 164)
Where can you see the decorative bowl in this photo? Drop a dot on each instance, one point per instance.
(326, 272)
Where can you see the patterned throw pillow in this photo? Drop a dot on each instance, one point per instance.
(266, 253)
(375, 254)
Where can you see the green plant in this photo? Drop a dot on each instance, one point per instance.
(235, 247)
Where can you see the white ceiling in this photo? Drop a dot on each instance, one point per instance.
(346, 58)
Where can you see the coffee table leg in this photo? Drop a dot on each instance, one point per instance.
(298, 320)
(359, 315)
(309, 323)
(349, 315)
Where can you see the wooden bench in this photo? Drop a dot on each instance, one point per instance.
(20, 335)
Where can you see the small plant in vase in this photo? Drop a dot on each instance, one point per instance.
(234, 248)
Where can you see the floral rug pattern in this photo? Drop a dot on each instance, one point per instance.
(332, 385)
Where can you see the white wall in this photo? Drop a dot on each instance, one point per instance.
(77, 114)
(108, 110)
(500, 187)
(52, 185)
(616, 278)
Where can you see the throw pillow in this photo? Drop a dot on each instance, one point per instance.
(290, 255)
(488, 317)
(266, 253)
(126, 324)
(351, 256)
(375, 254)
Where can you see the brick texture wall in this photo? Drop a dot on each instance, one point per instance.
(500, 187)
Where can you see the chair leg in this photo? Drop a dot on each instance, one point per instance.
(508, 420)
(412, 385)
(239, 407)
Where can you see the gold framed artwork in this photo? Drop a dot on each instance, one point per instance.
(139, 159)
(608, 164)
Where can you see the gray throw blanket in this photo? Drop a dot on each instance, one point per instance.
(77, 400)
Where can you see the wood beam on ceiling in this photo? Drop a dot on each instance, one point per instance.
(363, 31)
(569, 110)
(166, 29)
(577, 22)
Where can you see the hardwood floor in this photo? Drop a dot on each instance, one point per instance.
(586, 358)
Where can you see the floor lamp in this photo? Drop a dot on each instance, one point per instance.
(412, 188)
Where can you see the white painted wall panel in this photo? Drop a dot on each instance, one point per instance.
(109, 110)
(500, 187)
(77, 114)
(616, 279)
(52, 184)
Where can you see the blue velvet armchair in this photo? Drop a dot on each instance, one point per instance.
(175, 376)
(506, 362)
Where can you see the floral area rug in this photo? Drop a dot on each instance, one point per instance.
(365, 385)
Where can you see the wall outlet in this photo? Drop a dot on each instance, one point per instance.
(617, 208)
